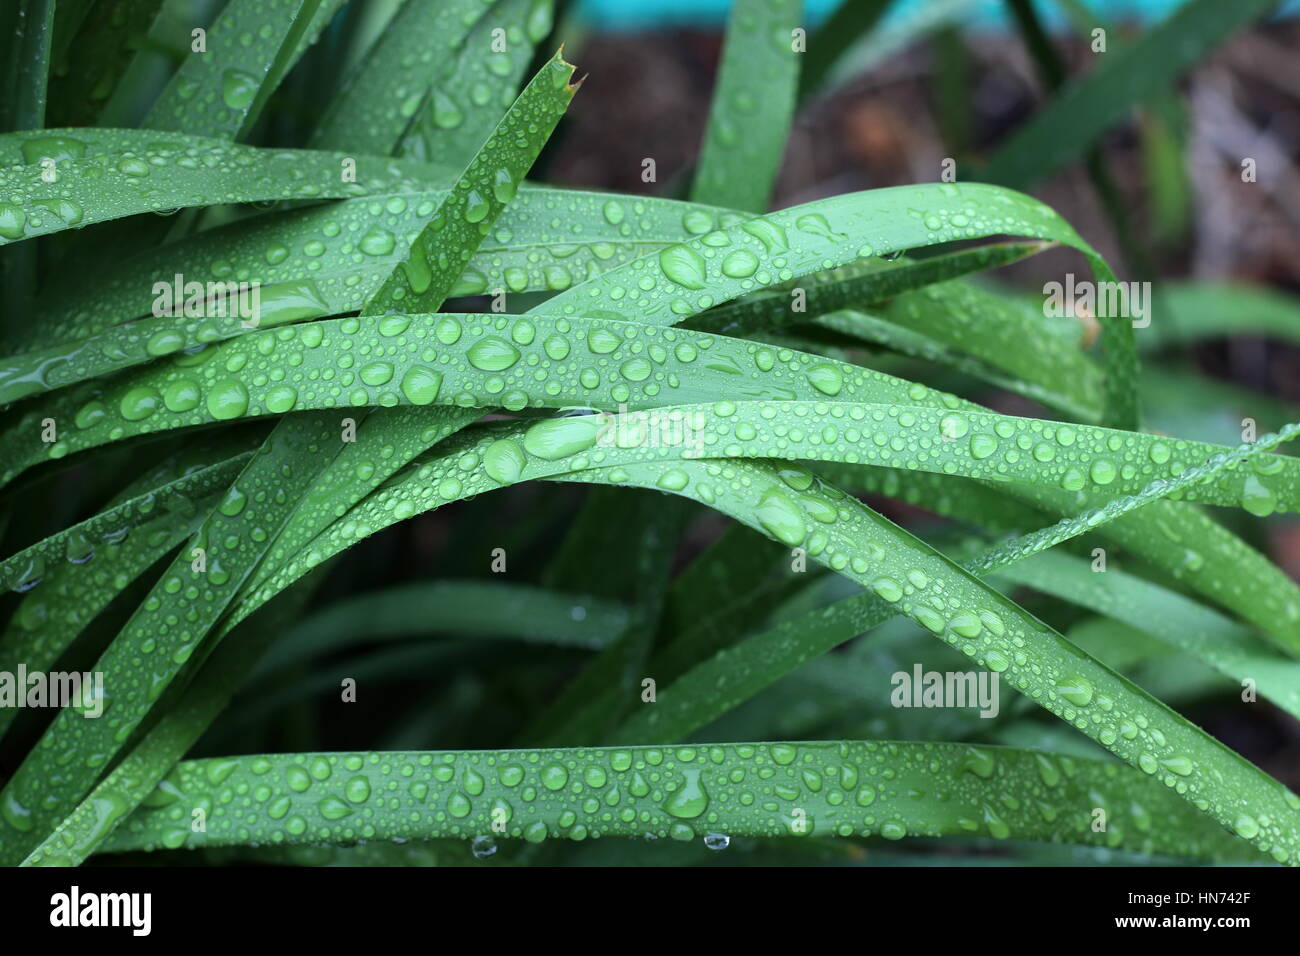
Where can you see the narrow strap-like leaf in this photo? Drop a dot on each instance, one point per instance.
(24, 78)
(378, 100)
(1122, 77)
(442, 251)
(794, 790)
(753, 102)
(477, 83)
(221, 86)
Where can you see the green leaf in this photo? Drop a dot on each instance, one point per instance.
(1211, 310)
(792, 243)
(753, 103)
(479, 362)
(902, 339)
(859, 284)
(69, 597)
(218, 90)
(773, 790)
(105, 43)
(192, 474)
(478, 83)
(850, 22)
(305, 261)
(1006, 335)
(1200, 553)
(29, 27)
(475, 608)
(484, 360)
(109, 174)
(384, 441)
(378, 100)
